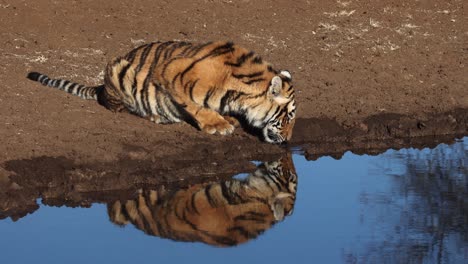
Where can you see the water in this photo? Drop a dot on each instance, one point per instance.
(406, 206)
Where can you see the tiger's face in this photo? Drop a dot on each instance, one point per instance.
(280, 126)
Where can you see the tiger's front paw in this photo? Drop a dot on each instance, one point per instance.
(232, 120)
(222, 127)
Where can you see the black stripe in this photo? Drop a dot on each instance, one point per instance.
(251, 75)
(149, 76)
(225, 99)
(215, 52)
(171, 106)
(131, 56)
(208, 95)
(159, 50)
(176, 47)
(175, 78)
(242, 231)
(188, 47)
(254, 80)
(187, 86)
(65, 84)
(122, 74)
(190, 67)
(241, 60)
(123, 210)
(227, 241)
(143, 57)
(251, 216)
(284, 78)
(192, 86)
(209, 197)
(159, 106)
(192, 225)
(176, 213)
(89, 92)
(78, 89)
(183, 114)
(225, 192)
(275, 181)
(70, 89)
(195, 49)
(278, 108)
(194, 206)
(42, 78)
(60, 83)
(144, 98)
(143, 104)
(169, 49)
(260, 199)
(167, 63)
(45, 81)
(146, 221)
(157, 55)
(270, 69)
(257, 60)
(229, 96)
(220, 50)
(257, 95)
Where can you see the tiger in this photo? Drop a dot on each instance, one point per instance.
(221, 214)
(214, 86)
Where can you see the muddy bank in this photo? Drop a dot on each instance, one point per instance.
(60, 181)
(375, 134)
(141, 161)
(365, 70)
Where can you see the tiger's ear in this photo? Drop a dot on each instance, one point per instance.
(275, 91)
(275, 86)
(278, 211)
(286, 74)
(278, 205)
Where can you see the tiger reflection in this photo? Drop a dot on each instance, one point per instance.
(225, 213)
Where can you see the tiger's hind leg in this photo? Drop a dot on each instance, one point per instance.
(156, 119)
(111, 102)
(114, 96)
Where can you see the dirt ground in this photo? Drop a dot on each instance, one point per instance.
(380, 71)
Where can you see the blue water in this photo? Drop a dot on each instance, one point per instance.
(407, 206)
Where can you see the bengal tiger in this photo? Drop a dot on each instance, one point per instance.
(225, 213)
(208, 85)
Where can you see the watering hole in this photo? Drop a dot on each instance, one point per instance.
(384, 206)
(376, 82)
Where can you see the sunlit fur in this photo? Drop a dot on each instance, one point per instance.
(198, 83)
(223, 214)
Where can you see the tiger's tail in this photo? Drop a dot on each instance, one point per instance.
(85, 92)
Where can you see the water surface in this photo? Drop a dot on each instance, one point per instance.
(405, 206)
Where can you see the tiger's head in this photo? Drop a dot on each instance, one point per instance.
(280, 118)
